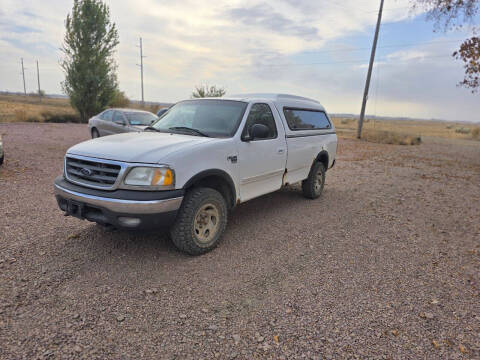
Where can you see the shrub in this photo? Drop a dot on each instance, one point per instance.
(120, 100)
(390, 137)
(203, 91)
(34, 118)
(449, 126)
(50, 117)
(462, 130)
(476, 133)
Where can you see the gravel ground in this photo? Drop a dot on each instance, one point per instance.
(385, 265)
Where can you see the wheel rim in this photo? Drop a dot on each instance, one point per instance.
(318, 181)
(206, 223)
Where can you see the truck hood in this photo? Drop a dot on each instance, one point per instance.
(144, 147)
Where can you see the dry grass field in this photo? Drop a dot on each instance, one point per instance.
(347, 127)
(18, 108)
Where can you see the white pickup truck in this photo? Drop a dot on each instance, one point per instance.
(196, 163)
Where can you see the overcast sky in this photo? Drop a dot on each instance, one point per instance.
(314, 48)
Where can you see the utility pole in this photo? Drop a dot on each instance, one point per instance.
(23, 75)
(38, 81)
(369, 74)
(141, 69)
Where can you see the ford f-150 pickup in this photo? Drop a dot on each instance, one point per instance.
(190, 168)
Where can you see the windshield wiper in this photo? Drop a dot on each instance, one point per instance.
(189, 129)
(150, 128)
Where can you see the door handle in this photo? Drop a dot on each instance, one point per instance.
(280, 151)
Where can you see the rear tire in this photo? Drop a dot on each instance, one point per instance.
(200, 222)
(95, 133)
(1, 160)
(313, 186)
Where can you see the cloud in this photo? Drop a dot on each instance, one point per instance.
(265, 17)
(244, 45)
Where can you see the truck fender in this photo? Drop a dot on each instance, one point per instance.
(231, 196)
(323, 158)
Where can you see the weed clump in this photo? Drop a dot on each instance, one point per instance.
(476, 133)
(390, 137)
(462, 130)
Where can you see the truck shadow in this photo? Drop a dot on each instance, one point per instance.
(93, 255)
(252, 214)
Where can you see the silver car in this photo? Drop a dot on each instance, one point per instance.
(117, 121)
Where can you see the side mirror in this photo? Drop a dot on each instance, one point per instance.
(259, 131)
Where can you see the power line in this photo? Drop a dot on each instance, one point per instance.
(387, 46)
(366, 48)
(335, 3)
(354, 8)
(340, 62)
(390, 9)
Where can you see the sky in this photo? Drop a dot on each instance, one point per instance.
(314, 48)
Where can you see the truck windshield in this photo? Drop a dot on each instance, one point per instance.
(214, 118)
(138, 118)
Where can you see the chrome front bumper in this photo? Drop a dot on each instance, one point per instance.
(120, 205)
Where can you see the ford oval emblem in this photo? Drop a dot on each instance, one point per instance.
(86, 172)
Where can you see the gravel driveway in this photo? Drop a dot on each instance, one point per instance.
(385, 265)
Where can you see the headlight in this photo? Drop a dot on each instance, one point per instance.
(150, 176)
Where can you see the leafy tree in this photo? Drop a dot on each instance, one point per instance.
(120, 100)
(204, 91)
(89, 45)
(454, 14)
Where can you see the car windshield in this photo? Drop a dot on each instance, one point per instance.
(209, 117)
(139, 118)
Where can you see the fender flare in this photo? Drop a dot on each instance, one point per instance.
(324, 158)
(214, 172)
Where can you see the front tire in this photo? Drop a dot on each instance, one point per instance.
(200, 222)
(313, 186)
(95, 133)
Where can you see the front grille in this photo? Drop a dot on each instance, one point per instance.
(91, 172)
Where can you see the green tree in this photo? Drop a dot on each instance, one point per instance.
(88, 48)
(203, 91)
(455, 14)
(120, 100)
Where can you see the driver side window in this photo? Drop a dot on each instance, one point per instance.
(118, 117)
(261, 114)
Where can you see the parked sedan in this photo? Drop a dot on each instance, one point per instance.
(117, 121)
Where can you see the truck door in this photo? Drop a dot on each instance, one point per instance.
(262, 161)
